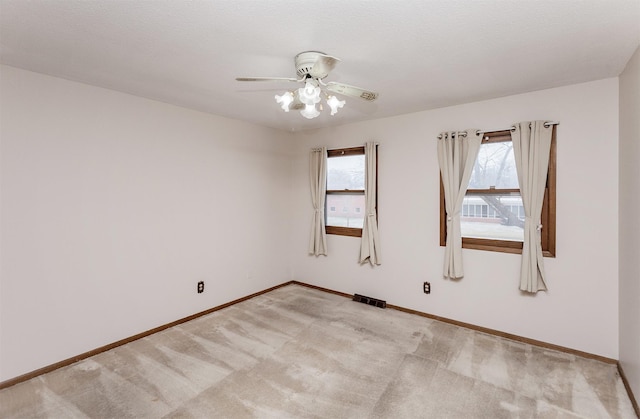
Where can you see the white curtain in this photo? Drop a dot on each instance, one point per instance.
(531, 146)
(318, 179)
(457, 152)
(370, 244)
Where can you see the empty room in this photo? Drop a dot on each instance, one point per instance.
(305, 209)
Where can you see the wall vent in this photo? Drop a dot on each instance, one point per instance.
(370, 301)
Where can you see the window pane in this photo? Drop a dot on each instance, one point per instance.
(350, 216)
(495, 166)
(345, 173)
(498, 217)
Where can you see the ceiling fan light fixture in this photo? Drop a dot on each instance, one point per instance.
(285, 100)
(312, 67)
(335, 104)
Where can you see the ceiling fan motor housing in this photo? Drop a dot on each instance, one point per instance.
(305, 61)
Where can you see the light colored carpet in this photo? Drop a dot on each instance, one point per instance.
(298, 352)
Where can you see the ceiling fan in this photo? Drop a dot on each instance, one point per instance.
(312, 67)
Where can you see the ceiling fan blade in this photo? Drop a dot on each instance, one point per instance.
(266, 79)
(323, 66)
(347, 90)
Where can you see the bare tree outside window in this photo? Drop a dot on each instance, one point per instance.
(494, 195)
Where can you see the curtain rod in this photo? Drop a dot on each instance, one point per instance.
(357, 146)
(512, 128)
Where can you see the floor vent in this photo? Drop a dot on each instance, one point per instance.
(368, 300)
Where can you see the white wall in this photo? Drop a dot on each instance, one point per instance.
(114, 206)
(629, 222)
(579, 311)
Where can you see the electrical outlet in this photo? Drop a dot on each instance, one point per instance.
(427, 288)
(200, 287)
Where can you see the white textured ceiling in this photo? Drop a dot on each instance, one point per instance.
(418, 54)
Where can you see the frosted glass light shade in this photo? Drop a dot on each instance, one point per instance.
(309, 94)
(285, 100)
(309, 111)
(334, 103)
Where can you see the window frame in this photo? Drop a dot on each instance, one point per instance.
(548, 218)
(341, 152)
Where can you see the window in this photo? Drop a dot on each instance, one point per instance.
(345, 189)
(492, 216)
